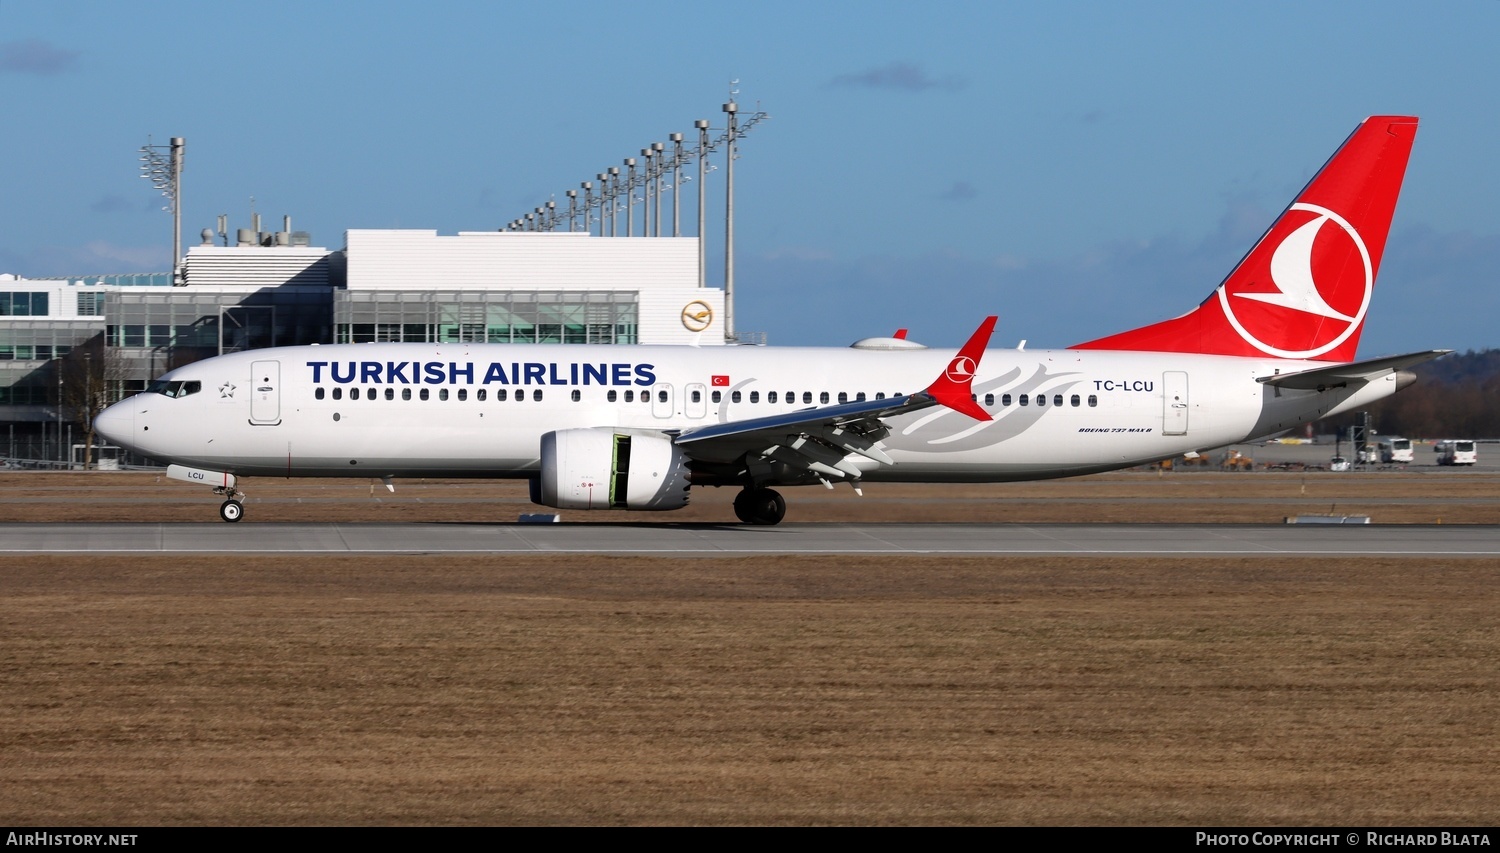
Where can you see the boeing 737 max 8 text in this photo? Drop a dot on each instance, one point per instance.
(635, 427)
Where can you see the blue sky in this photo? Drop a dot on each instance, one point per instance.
(1076, 168)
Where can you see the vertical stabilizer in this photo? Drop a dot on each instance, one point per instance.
(1304, 289)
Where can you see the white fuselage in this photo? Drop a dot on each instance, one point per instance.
(479, 410)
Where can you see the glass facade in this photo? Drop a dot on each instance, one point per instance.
(211, 323)
(498, 317)
(40, 340)
(23, 304)
(90, 304)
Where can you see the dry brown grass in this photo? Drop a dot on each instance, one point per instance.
(1197, 497)
(795, 690)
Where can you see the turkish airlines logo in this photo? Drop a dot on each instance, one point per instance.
(1312, 309)
(960, 370)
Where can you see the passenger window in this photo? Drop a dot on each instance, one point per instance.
(771, 397)
(661, 396)
(442, 393)
(823, 397)
(734, 396)
(611, 396)
(630, 396)
(338, 393)
(577, 395)
(718, 396)
(880, 395)
(1005, 399)
(807, 396)
(1057, 399)
(860, 397)
(318, 394)
(406, 393)
(697, 395)
(1075, 401)
(424, 394)
(1021, 401)
(1093, 400)
(989, 399)
(501, 395)
(755, 396)
(537, 395)
(481, 394)
(843, 396)
(390, 393)
(463, 394)
(354, 393)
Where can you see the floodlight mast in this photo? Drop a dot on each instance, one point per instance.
(162, 165)
(730, 111)
(660, 151)
(702, 126)
(612, 184)
(676, 182)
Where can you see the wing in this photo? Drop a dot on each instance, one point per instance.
(818, 441)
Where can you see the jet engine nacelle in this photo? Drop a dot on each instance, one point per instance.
(607, 469)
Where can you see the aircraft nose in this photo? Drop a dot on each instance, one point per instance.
(116, 424)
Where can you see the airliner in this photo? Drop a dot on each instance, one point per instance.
(637, 427)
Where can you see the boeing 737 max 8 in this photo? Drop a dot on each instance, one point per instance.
(635, 427)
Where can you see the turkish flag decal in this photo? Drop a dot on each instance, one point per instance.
(720, 382)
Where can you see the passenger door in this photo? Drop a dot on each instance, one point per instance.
(265, 393)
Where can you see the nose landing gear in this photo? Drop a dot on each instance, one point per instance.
(233, 508)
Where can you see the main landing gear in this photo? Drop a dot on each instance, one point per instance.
(233, 508)
(760, 506)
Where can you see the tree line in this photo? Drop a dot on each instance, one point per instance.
(1456, 396)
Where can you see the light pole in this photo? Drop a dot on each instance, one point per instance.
(702, 125)
(646, 181)
(630, 197)
(162, 165)
(661, 153)
(730, 109)
(614, 193)
(676, 182)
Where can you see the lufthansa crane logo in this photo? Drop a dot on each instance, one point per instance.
(1311, 310)
(697, 316)
(960, 369)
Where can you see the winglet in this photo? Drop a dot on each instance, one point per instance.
(952, 387)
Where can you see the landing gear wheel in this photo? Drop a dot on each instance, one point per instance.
(760, 506)
(231, 511)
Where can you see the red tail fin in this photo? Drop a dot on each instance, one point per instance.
(1304, 289)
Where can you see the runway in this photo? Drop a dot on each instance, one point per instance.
(710, 540)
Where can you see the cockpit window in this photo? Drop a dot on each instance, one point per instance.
(174, 389)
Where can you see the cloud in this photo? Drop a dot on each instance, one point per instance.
(1433, 290)
(96, 257)
(111, 204)
(960, 191)
(34, 56)
(902, 76)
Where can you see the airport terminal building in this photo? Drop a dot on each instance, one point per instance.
(540, 287)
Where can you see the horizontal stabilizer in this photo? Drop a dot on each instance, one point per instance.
(1342, 374)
